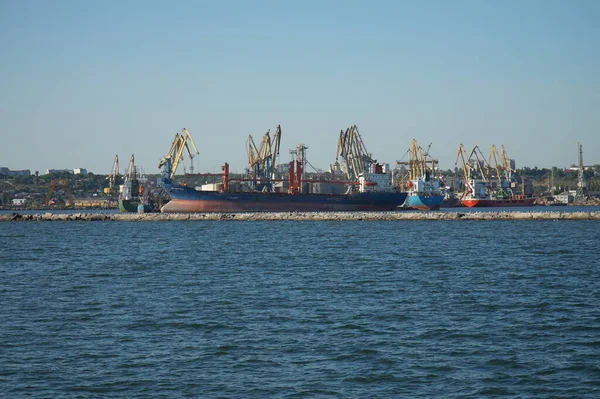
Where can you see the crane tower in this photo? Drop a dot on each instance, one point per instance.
(582, 192)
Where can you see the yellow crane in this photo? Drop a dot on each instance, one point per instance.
(418, 161)
(356, 159)
(477, 164)
(419, 164)
(506, 163)
(473, 167)
(500, 162)
(262, 159)
(495, 164)
(259, 156)
(252, 151)
(460, 155)
(131, 173)
(112, 178)
(175, 155)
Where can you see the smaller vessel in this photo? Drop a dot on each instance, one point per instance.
(490, 184)
(422, 186)
(132, 194)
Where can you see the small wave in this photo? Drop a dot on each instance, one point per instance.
(373, 378)
(555, 252)
(313, 393)
(350, 327)
(505, 363)
(224, 349)
(434, 333)
(494, 391)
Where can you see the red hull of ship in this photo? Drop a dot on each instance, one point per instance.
(485, 203)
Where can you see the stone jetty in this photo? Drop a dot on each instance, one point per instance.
(301, 216)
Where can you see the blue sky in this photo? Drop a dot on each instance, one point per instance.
(81, 81)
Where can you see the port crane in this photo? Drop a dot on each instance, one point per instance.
(131, 167)
(494, 163)
(111, 191)
(112, 178)
(473, 167)
(582, 192)
(466, 168)
(175, 155)
(477, 159)
(500, 162)
(420, 164)
(356, 160)
(262, 159)
(497, 163)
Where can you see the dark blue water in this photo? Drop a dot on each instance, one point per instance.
(300, 309)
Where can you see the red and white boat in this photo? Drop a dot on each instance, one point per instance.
(491, 184)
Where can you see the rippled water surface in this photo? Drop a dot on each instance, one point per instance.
(300, 309)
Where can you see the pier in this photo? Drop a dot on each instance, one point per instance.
(300, 216)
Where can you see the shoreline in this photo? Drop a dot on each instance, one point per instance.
(301, 216)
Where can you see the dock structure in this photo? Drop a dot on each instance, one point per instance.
(301, 216)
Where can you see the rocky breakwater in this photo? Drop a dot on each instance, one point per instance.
(301, 216)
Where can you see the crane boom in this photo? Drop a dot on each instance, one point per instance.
(477, 158)
(355, 157)
(175, 155)
(112, 177)
(262, 159)
(275, 149)
(131, 167)
(465, 167)
(493, 162)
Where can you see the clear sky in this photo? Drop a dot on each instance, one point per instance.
(81, 81)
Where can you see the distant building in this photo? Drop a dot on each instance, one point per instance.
(18, 201)
(12, 173)
(76, 171)
(52, 171)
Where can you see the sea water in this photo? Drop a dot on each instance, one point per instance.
(417, 309)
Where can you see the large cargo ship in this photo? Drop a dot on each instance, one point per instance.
(373, 190)
(187, 199)
(375, 193)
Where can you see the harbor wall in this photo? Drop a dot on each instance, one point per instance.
(302, 216)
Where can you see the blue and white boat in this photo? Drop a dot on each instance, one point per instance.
(423, 187)
(424, 194)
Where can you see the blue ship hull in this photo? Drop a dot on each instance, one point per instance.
(425, 202)
(187, 199)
